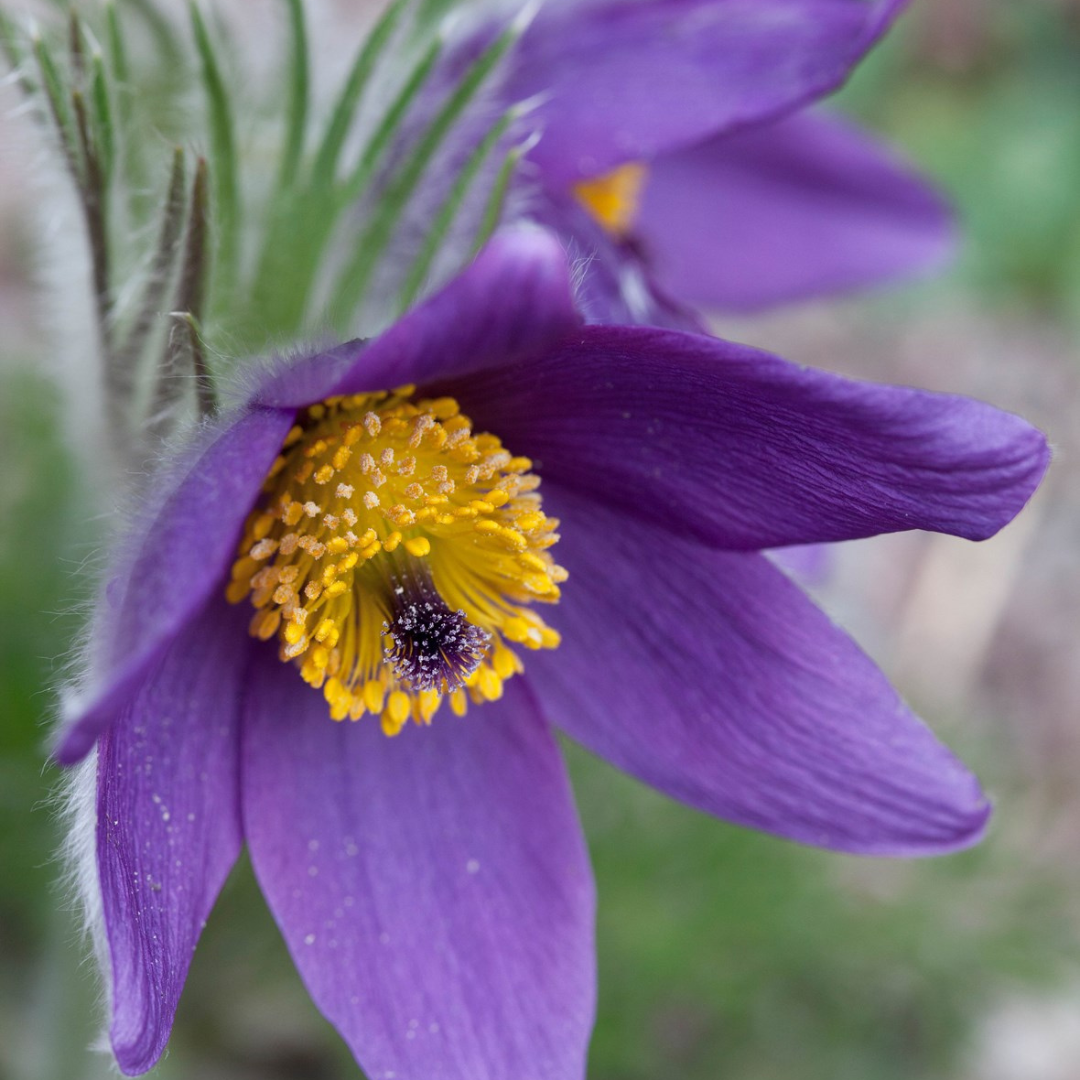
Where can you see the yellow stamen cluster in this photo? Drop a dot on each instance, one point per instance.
(614, 199)
(371, 494)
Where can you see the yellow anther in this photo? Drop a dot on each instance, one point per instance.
(614, 199)
(428, 704)
(262, 526)
(264, 624)
(263, 549)
(292, 651)
(515, 628)
(537, 583)
(399, 706)
(505, 662)
(373, 696)
(244, 567)
(443, 408)
(489, 684)
(236, 591)
(532, 520)
(418, 546)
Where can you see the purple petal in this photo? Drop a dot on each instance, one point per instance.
(514, 299)
(747, 451)
(803, 207)
(433, 889)
(172, 560)
(621, 82)
(712, 677)
(168, 826)
(611, 281)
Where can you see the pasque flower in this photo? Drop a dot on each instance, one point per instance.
(677, 154)
(365, 536)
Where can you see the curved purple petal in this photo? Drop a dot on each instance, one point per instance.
(803, 207)
(434, 889)
(514, 299)
(712, 677)
(168, 824)
(747, 451)
(619, 82)
(172, 560)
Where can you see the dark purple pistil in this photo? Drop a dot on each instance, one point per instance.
(429, 646)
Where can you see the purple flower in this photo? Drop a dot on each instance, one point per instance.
(678, 158)
(434, 888)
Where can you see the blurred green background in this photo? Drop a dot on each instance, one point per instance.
(724, 955)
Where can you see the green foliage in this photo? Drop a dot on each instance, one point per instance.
(405, 180)
(265, 257)
(1003, 138)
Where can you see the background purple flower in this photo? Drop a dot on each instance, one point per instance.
(747, 198)
(433, 889)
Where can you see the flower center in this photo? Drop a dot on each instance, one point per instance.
(395, 554)
(614, 199)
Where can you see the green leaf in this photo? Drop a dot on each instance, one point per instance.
(326, 160)
(11, 47)
(172, 220)
(298, 96)
(103, 118)
(450, 208)
(183, 339)
(497, 199)
(352, 284)
(390, 123)
(77, 47)
(117, 49)
(56, 97)
(94, 198)
(223, 165)
(301, 227)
